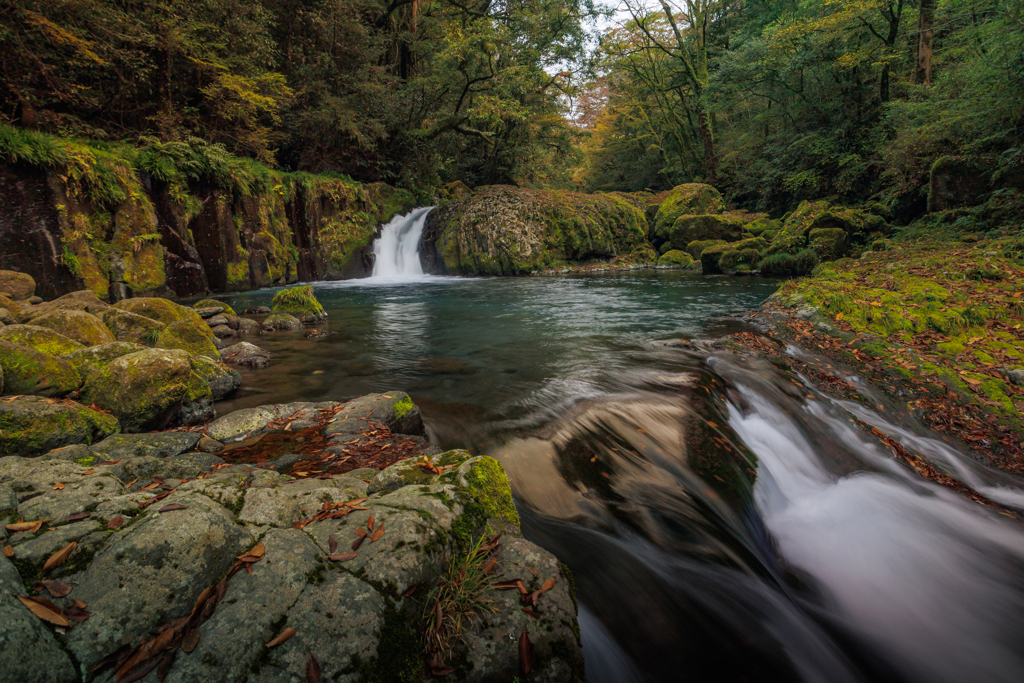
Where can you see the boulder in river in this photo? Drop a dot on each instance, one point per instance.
(161, 310)
(33, 425)
(690, 199)
(150, 389)
(214, 303)
(223, 380)
(132, 327)
(393, 408)
(299, 302)
(84, 328)
(18, 286)
(675, 257)
(189, 335)
(39, 338)
(93, 359)
(281, 321)
(28, 371)
(244, 353)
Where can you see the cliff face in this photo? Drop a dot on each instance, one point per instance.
(77, 217)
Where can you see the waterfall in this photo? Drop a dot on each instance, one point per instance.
(396, 251)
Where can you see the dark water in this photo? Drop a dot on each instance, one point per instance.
(723, 520)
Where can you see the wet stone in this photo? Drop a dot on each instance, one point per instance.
(159, 445)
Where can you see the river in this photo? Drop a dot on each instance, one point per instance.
(723, 519)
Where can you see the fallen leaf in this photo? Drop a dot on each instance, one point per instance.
(77, 516)
(369, 523)
(44, 613)
(525, 653)
(441, 671)
(26, 526)
(88, 472)
(548, 585)
(116, 522)
(254, 555)
(8, 551)
(377, 534)
(510, 584)
(190, 640)
(59, 557)
(172, 506)
(362, 532)
(58, 486)
(344, 557)
(491, 564)
(410, 590)
(332, 544)
(358, 542)
(80, 604)
(312, 669)
(57, 589)
(76, 614)
(531, 612)
(281, 637)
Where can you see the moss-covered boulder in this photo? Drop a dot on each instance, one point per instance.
(28, 371)
(91, 360)
(41, 339)
(17, 285)
(31, 425)
(214, 303)
(131, 327)
(148, 390)
(828, 243)
(688, 229)
(393, 408)
(501, 230)
(691, 199)
(82, 300)
(697, 247)
(83, 327)
(161, 310)
(223, 380)
(299, 302)
(281, 321)
(675, 257)
(740, 256)
(861, 227)
(787, 265)
(189, 335)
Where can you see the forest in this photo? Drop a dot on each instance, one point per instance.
(771, 101)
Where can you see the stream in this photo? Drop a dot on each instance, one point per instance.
(724, 521)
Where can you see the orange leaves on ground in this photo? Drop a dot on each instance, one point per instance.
(60, 557)
(45, 610)
(30, 527)
(8, 551)
(116, 522)
(254, 555)
(171, 507)
(58, 486)
(377, 534)
(334, 511)
(282, 637)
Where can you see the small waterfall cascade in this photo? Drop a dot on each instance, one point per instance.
(396, 251)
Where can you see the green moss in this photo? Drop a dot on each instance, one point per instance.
(399, 653)
(40, 338)
(401, 408)
(214, 303)
(697, 247)
(191, 336)
(86, 461)
(297, 300)
(488, 484)
(689, 199)
(28, 371)
(675, 257)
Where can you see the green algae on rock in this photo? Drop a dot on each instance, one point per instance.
(161, 310)
(85, 328)
(31, 425)
(697, 247)
(502, 230)
(675, 257)
(299, 302)
(28, 371)
(91, 360)
(131, 327)
(148, 389)
(41, 339)
(223, 380)
(188, 335)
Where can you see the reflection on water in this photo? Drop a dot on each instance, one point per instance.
(723, 520)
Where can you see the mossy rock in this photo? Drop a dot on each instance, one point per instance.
(194, 337)
(41, 339)
(131, 327)
(687, 229)
(148, 389)
(860, 226)
(161, 310)
(697, 247)
(393, 408)
(759, 227)
(223, 380)
(281, 321)
(457, 190)
(214, 303)
(83, 327)
(786, 265)
(691, 199)
(828, 243)
(17, 285)
(93, 359)
(675, 257)
(728, 257)
(82, 300)
(739, 260)
(13, 308)
(299, 302)
(29, 371)
(31, 426)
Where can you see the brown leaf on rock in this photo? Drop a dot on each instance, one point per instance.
(332, 544)
(117, 658)
(116, 522)
(410, 590)
(57, 589)
(8, 551)
(80, 604)
(149, 487)
(31, 527)
(254, 555)
(172, 507)
(282, 637)
(190, 640)
(44, 613)
(344, 557)
(491, 564)
(531, 612)
(508, 584)
(77, 516)
(441, 670)
(76, 614)
(358, 542)
(525, 653)
(60, 557)
(58, 486)
(547, 585)
(369, 523)
(362, 532)
(312, 669)
(88, 472)
(377, 534)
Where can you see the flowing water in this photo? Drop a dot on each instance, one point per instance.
(723, 520)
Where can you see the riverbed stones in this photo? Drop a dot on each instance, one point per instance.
(161, 310)
(33, 425)
(281, 321)
(252, 421)
(209, 311)
(150, 389)
(91, 360)
(82, 300)
(213, 303)
(223, 380)
(393, 408)
(40, 338)
(84, 328)
(299, 302)
(17, 285)
(245, 353)
(131, 327)
(28, 651)
(189, 335)
(157, 445)
(28, 371)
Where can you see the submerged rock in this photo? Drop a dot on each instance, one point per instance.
(32, 425)
(244, 353)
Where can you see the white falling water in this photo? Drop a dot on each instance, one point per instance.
(396, 251)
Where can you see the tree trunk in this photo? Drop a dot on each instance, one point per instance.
(704, 122)
(925, 36)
